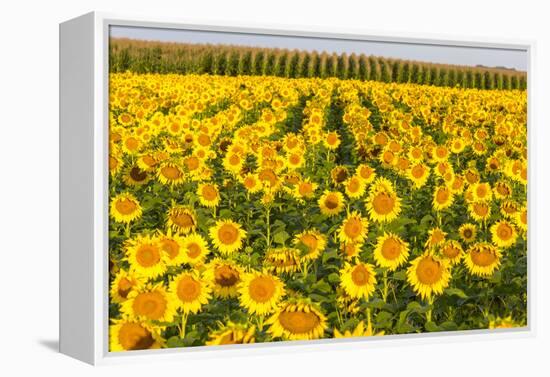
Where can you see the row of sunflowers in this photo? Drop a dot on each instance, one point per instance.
(255, 209)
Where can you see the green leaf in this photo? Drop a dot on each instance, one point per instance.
(449, 326)
(329, 254)
(405, 328)
(334, 278)
(432, 327)
(456, 292)
(376, 303)
(281, 237)
(414, 306)
(226, 213)
(317, 298)
(497, 277)
(322, 286)
(175, 342)
(383, 319)
(400, 275)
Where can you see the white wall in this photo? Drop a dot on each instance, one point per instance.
(29, 183)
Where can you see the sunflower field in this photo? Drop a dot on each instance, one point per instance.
(260, 208)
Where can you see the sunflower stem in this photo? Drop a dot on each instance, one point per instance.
(339, 316)
(183, 325)
(369, 318)
(260, 322)
(385, 280)
(268, 225)
(429, 312)
(127, 230)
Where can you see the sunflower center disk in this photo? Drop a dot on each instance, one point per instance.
(126, 206)
(429, 271)
(383, 203)
(360, 275)
(188, 289)
(261, 289)
(133, 336)
(148, 255)
(298, 322)
(228, 234)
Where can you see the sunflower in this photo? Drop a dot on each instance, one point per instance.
(147, 162)
(509, 208)
(297, 319)
(467, 232)
(193, 165)
(452, 251)
(145, 256)
(355, 187)
(436, 236)
(127, 334)
(194, 249)
(269, 179)
(131, 144)
(383, 203)
(260, 292)
(115, 164)
(313, 243)
(282, 260)
(482, 259)
(181, 219)
(503, 233)
(419, 174)
(134, 176)
(332, 140)
(331, 203)
(232, 333)
(520, 218)
(391, 251)
(224, 277)
(457, 145)
(339, 174)
(366, 173)
(305, 189)
(233, 163)
(502, 190)
(358, 280)
(125, 208)
(209, 194)
(428, 275)
(481, 192)
(123, 283)
(479, 211)
(441, 153)
(227, 236)
(457, 185)
(359, 331)
(170, 173)
(350, 249)
(503, 323)
(189, 292)
(354, 228)
(443, 198)
(295, 160)
(251, 183)
(151, 303)
(415, 154)
(171, 245)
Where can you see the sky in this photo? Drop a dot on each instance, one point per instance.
(490, 57)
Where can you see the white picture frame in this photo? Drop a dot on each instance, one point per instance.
(84, 191)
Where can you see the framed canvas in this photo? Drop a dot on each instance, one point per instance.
(246, 190)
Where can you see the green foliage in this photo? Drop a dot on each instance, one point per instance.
(158, 57)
